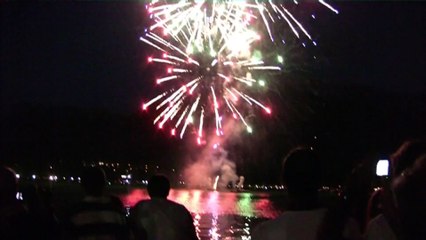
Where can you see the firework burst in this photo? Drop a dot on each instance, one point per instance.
(211, 69)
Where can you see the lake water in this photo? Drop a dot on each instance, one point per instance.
(220, 215)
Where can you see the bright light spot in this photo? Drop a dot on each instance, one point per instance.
(280, 59)
(212, 53)
(144, 106)
(165, 55)
(169, 70)
(189, 50)
(33, 176)
(150, 59)
(262, 83)
(382, 168)
(268, 110)
(199, 141)
(249, 129)
(173, 132)
(160, 126)
(18, 176)
(191, 119)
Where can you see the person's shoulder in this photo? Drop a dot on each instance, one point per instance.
(266, 229)
(177, 205)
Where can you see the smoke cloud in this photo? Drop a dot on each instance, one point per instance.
(213, 161)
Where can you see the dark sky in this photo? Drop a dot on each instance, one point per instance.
(87, 55)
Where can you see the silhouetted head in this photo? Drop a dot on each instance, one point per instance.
(406, 155)
(158, 186)
(8, 184)
(301, 172)
(93, 181)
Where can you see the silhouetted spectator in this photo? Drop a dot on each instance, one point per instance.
(357, 193)
(97, 216)
(410, 193)
(14, 220)
(160, 218)
(304, 219)
(387, 226)
(41, 214)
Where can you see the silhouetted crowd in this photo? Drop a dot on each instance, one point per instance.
(395, 211)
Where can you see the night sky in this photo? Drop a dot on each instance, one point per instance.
(73, 76)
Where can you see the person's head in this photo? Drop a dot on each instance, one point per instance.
(8, 184)
(93, 181)
(406, 154)
(158, 186)
(301, 172)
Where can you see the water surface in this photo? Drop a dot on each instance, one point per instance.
(220, 215)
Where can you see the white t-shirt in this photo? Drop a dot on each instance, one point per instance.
(378, 229)
(292, 225)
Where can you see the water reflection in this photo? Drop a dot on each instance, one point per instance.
(218, 215)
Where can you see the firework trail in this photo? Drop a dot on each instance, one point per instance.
(212, 70)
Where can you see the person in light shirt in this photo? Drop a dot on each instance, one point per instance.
(304, 218)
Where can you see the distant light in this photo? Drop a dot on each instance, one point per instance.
(72, 178)
(33, 176)
(280, 59)
(150, 59)
(262, 83)
(18, 176)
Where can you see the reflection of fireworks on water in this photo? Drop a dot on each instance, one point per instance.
(211, 69)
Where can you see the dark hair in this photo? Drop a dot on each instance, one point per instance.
(158, 186)
(301, 171)
(8, 182)
(93, 180)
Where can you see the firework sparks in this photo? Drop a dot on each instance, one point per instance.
(207, 50)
